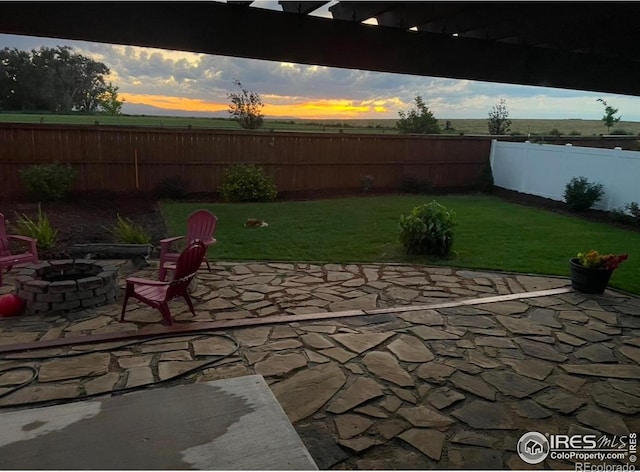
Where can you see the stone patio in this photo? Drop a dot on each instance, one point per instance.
(417, 374)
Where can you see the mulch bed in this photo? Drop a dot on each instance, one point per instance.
(85, 218)
(598, 216)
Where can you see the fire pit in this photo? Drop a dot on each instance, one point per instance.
(66, 286)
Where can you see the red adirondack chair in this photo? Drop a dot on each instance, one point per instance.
(158, 294)
(9, 259)
(201, 225)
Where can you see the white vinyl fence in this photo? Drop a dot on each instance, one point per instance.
(545, 170)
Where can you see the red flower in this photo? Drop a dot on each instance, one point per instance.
(611, 261)
(594, 260)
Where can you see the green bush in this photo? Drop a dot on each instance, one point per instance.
(39, 229)
(48, 182)
(171, 187)
(428, 229)
(620, 132)
(628, 214)
(418, 120)
(366, 182)
(247, 183)
(415, 185)
(127, 232)
(580, 194)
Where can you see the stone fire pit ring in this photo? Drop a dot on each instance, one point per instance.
(65, 286)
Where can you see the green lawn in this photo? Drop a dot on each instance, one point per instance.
(492, 234)
(322, 126)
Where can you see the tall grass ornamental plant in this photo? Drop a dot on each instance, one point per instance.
(127, 232)
(39, 229)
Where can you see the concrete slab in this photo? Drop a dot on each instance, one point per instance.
(231, 424)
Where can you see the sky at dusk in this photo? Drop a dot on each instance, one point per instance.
(190, 84)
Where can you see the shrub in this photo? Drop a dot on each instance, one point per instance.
(415, 185)
(48, 182)
(247, 183)
(418, 120)
(366, 182)
(580, 194)
(633, 209)
(620, 132)
(628, 214)
(127, 232)
(172, 187)
(428, 230)
(39, 229)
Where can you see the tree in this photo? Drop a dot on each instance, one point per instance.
(19, 85)
(109, 101)
(89, 84)
(246, 107)
(609, 118)
(50, 79)
(499, 122)
(418, 120)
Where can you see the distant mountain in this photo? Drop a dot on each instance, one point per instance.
(150, 110)
(138, 109)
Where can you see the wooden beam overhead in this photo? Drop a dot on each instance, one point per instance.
(497, 52)
(301, 8)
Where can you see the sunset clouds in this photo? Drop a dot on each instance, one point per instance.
(179, 83)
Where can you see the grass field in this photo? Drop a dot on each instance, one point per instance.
(467, 126)
(492, 234)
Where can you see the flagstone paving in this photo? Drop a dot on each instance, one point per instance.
(450, 387)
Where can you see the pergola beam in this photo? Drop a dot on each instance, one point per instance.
(244, 31)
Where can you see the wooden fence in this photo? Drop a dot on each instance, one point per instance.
(139, 158)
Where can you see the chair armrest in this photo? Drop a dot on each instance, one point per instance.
(140, 281)
(210, 242)
(31, 242)
(165, 245)
(170, 240)
(26, 239)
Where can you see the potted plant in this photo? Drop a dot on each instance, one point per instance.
(590, 271)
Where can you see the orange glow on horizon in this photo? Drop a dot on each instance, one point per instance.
(172, 103)
(316, 109)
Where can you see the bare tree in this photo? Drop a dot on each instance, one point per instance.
(609, 117)
(246, 107)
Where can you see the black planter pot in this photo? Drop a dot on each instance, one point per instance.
(587, 280)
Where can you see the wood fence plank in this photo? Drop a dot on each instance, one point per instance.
(105, 157)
